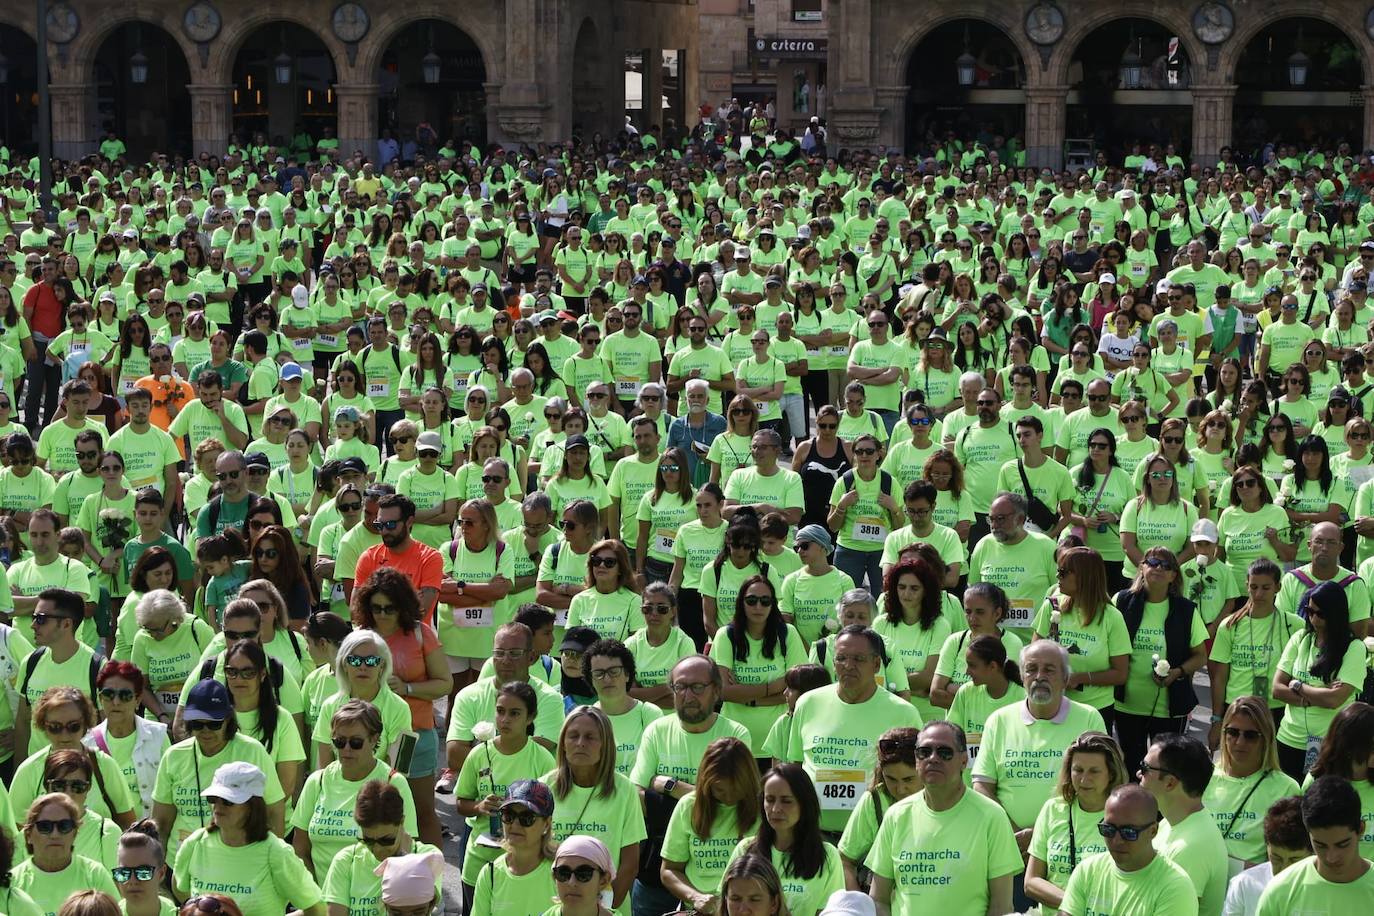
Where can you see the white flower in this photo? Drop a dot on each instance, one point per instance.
(831, 625)
(1227, 406)
(1054, 618)
(1161, 667)
(1288, 465)
(483, 731)
(1202, 562)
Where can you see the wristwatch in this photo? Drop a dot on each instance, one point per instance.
(1216, 719)
(461, 586)
(670, 785)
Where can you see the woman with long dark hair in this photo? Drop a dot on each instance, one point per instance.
(1320, 672)
(790, 838)
(914, 627)
(275, 559)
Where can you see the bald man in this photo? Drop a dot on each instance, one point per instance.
(1324, 542)
(1130, 878)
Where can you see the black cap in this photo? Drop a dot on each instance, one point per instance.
(579, 638)
(353, 464)
(257, 460)
(576, 441)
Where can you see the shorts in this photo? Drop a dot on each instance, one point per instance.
(551, 232)
(457, 664)
(322, 361)
(425, 762)
(523, 274)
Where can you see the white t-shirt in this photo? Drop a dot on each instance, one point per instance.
(1243, 893)
(1117, 347)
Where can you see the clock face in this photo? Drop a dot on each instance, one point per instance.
(350, 22)
(63, 23)
(201, 22)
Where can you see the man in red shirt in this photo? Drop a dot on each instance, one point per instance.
(44, 314)
(422, 564)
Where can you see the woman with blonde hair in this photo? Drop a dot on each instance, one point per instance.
(1247, 782)
(1065, 832)
(592, 798)
(520, 880)
(610, 602)
(54, 871)
(709, 822)
(730, 450)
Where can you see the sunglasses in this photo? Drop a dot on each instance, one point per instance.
(265, 553)
(122, 694)
(388, 526)
(1172, 440)
(1129, 833)
(358, 661)
(227, 475)
(378, 840)
(1157, 563)
(1249, 734)
(896, 746)
(209, 725)
(943, 751)
(64, 826)
(58, 728)
(240, 674)
(350, 507)
(355, 743)
(1246, 483)
(583, 873)
(236, 635)
(757, 601)
(492, 478)
(1097, 398)
(603, 562)
(123, 874)
(526, 819)
(67, 786)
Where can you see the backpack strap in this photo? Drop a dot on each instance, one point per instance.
(278, 671)
(31, 665)
(1304, 578)
(207, 668)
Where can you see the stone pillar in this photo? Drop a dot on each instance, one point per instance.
(1045, 112)
(524, 114)
(357, 118)
(652, 112)
(73, 127)
(212, 109)
(851, 103)
(1213, 108)
(891, 103)
(1368, 93)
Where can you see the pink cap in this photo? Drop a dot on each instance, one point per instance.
(409, 880)
(589, 848)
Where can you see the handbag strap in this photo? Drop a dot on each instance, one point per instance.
(1025, 481)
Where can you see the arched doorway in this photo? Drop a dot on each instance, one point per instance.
(1298, 83)
(965, 79)
(1128, 85)
(432, 73)
(141, 91)
(18, 91)
(283, 88)
(589, 99)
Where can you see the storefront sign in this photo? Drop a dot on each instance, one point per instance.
(790, 48)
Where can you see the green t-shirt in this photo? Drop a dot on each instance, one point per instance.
(706, 858)
(185, 772)
(869, 355)
(27, 785)
(757, 668)
(952, 663)
(810, 600)
(866, 524)
(697, 546)
(970, 710)
(1241, 535)
(837, 744)
(499, 893)
(629, 732)
(169, 661)
(1025, 570)
(487, 771)
(630, 479)
(1195, 846)
(803, 896)
(57, 444)
(49, 890)
(1091, 647)
(915, 645)
(1144, 697)
(1302, 724)
(261, 877)
(1023, 757)
(1250, 648)
(942, 861)
(468, 631)
(1238, 807)
(146, 455)
(666, 517)
(1064, 836)
(325, 810)
(1156, 525)
(1099, 887)
(667, 749)
(394, 710)
(617, 820)
(1300, 889)
(782, 488)
(353, 884)
(477, 703)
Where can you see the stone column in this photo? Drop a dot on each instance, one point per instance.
(212, 110)
(357, 118)
(1045, 112)
(851, 104)
(524, 114)
(1213, 114)
(1368, 93)
(73, 127)
(891, 103)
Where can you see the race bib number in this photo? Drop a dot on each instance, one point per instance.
(839, 350)
(627, 389)
(126, 384)
(327, 340)
(840, 790)
(974, 740)
(1020, 614)
(870, 530)
(301, 343)
(474, 616)
(169, 697)
(378, 388)
(337, 592)
(560, 618)
(663, 541)
(78, 347)
(813, 352)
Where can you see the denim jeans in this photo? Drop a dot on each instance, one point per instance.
(861, 565)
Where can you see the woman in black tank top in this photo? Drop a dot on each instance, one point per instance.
(820, 461)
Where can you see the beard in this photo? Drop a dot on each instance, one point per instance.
(1040, 693)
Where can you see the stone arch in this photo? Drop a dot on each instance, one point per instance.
(99, 24)
(388, 24)
(230, 42)
(1250, 26)
(892, 67)
(588, 78)
(1078, 26)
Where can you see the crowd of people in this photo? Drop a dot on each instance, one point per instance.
(726, 532)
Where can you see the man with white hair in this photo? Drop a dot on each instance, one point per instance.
(1022, 746)
(696, 428)
(526, 408)
(970, 383)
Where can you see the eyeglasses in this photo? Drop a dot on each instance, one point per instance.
(1249, 734)
(123, 874)
(355, 742)
(1161, 475)
(67, 786)
(358, 661)
(608, 674)
(1129, 832)
(236, 635)
(227, 475)
(695, 689)
(378, 840)
(240, 674)
(64, 826)
(265, 553)
(926, 751)
(121, 694)
(583, 873)
(210, 725)
(58, 728)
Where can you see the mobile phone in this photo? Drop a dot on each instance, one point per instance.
(405, 752)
